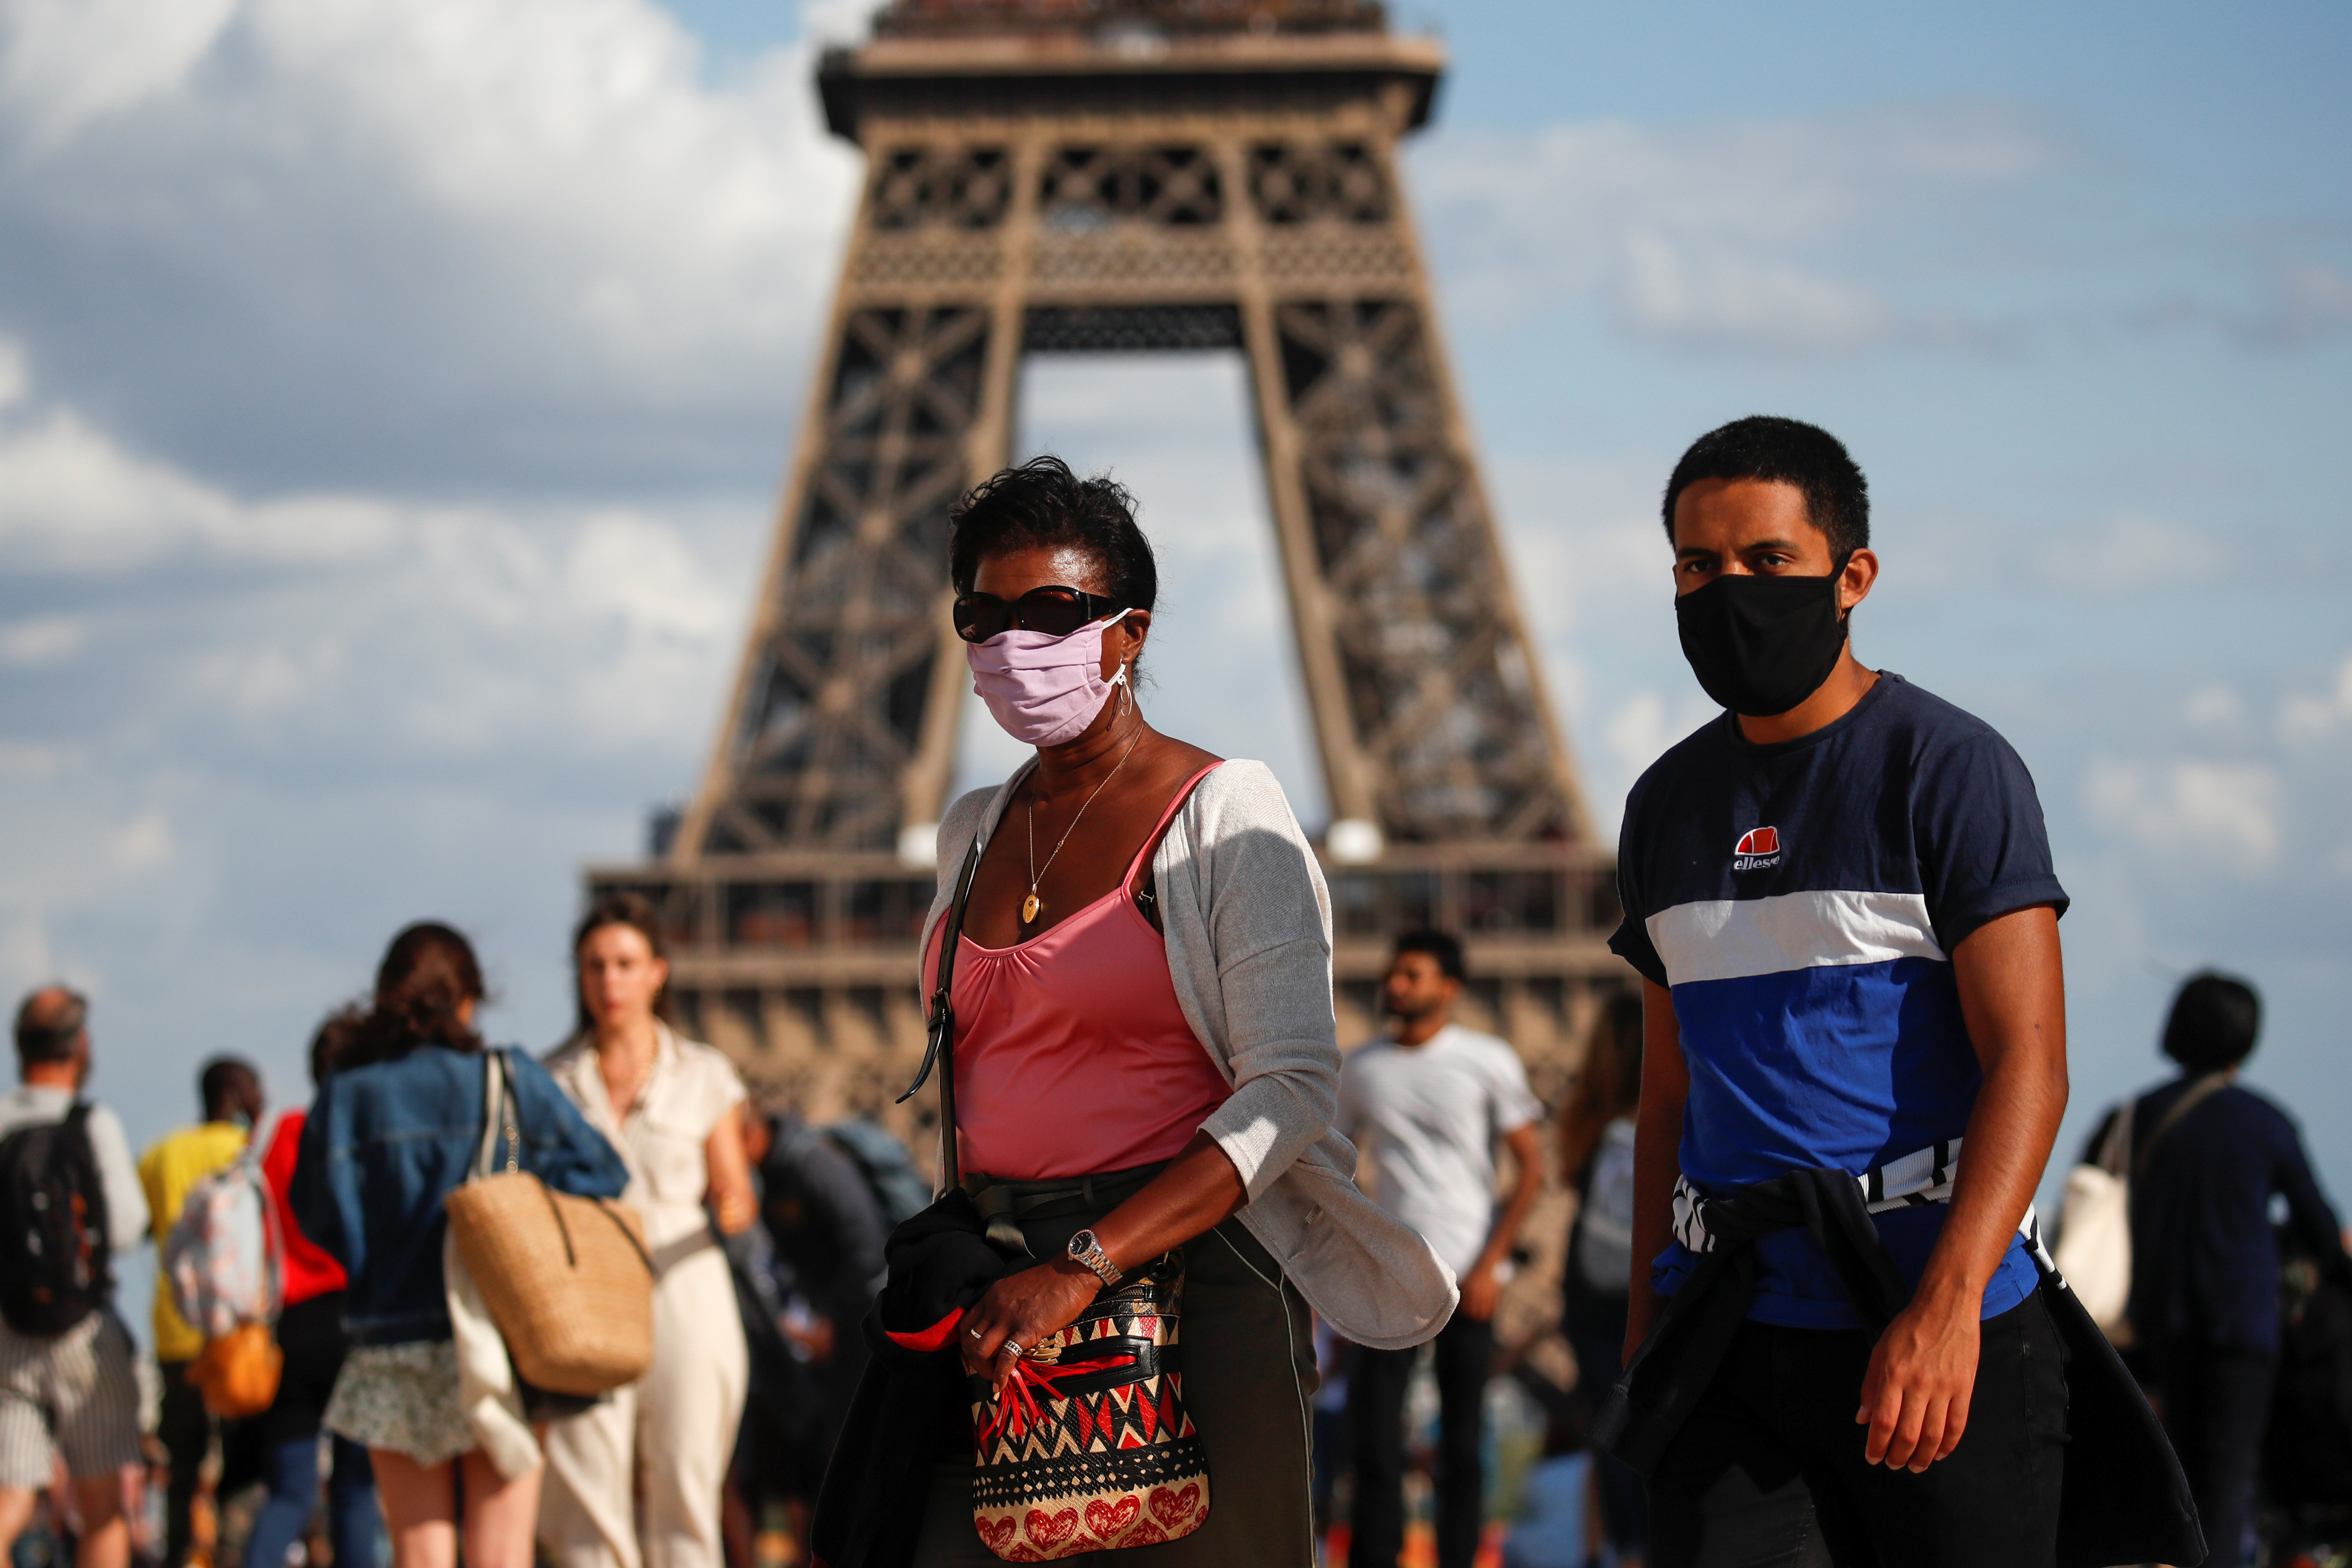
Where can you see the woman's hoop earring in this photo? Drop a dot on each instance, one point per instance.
(1127, 688)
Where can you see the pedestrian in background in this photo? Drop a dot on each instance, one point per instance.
(776, 1460)
(394, 1131)
(827, 1226)
(1596, 1143)
(1430, 1101)
(671, 1107)
(310, 1333)
(2205, 1262)
(67, 1390)
(228, 1094)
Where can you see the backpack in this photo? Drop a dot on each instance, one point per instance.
(221, 1255)
(1603, 1241)
(55, 1261)
(888, 1169)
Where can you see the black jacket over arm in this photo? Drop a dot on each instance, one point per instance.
(870, 1511)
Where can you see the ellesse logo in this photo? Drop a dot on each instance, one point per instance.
(1758, 848)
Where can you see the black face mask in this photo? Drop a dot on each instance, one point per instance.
(1761, 645)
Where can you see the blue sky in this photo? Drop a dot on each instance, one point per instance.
(393, 395)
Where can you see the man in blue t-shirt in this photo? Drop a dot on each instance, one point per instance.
(1840, 898)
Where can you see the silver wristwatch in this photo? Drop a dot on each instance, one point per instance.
(1087, 1250)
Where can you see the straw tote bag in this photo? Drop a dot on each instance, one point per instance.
(567, 1279)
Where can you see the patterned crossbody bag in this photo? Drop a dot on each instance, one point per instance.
(1088, 1447)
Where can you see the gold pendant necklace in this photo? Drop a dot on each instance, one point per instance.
(1030, 906)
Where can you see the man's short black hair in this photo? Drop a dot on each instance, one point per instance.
(2214, 1020)
(48, 1024)
(227, 1084)
(1439, 945)
(1788, 451)
(1042, 503)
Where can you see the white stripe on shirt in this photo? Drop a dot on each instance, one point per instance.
(1731, 938)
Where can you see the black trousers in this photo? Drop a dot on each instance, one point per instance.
(1594, 1326)
(1769, 1470)
(1464, 1350)
(185, 1429)
(2215, 1405)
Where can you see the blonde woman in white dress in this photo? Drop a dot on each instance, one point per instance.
(669, 1105)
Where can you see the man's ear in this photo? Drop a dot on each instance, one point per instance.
(1855, 583)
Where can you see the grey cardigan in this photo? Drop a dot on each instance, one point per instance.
(1248, 928)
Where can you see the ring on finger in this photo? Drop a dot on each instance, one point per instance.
(1011, 1348)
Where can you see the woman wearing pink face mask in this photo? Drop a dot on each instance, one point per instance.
(1145, 1057)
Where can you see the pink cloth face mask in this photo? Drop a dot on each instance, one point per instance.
(1043, 689)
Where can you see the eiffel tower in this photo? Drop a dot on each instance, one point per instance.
(1126, 176)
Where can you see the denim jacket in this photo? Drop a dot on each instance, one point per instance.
(385, 1144)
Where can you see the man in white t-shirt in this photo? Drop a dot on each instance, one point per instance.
(1429, 1102)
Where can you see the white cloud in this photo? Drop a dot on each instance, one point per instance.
(15, 373)
(1692, 293)
(635, 568)
(2306, 715)
(69, 63)
(25, 959)
(2226, 813)
(143, 844)
(42, 640)
(37, 760)
(2315, 301)
(1726, 237)
(72, 499)
(372, 229)
(2211, 706)
(473, 624)
(2133, 551)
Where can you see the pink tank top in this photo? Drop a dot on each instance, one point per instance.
(1071, 1055)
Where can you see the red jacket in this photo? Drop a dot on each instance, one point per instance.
(309, 1271)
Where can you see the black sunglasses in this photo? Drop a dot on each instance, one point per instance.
(1053, 610)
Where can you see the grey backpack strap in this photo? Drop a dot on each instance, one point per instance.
(2116, 1149)
(2195, 1094)
(498, 1117)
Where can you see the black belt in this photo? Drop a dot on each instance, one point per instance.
(1007, 1204)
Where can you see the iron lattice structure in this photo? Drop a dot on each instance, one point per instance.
(1126, 176)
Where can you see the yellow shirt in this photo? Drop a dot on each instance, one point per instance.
(176, 1162)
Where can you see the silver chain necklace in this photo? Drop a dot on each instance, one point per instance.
(1030, 906)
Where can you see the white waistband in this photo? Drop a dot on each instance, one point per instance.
(1920, 1178)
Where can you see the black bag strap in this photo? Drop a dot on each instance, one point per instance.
(939, 1049)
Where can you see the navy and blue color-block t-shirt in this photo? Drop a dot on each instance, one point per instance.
(1801, 901)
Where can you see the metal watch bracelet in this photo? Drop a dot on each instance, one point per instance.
(1085, 1250)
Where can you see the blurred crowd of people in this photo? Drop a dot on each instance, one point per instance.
(765, 1234)
(768, 1236)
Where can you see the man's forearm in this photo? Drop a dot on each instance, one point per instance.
(2008, 1144)
(1657, 1133)
(1657, 1153)
(1527, 1152)
(2011, 983)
